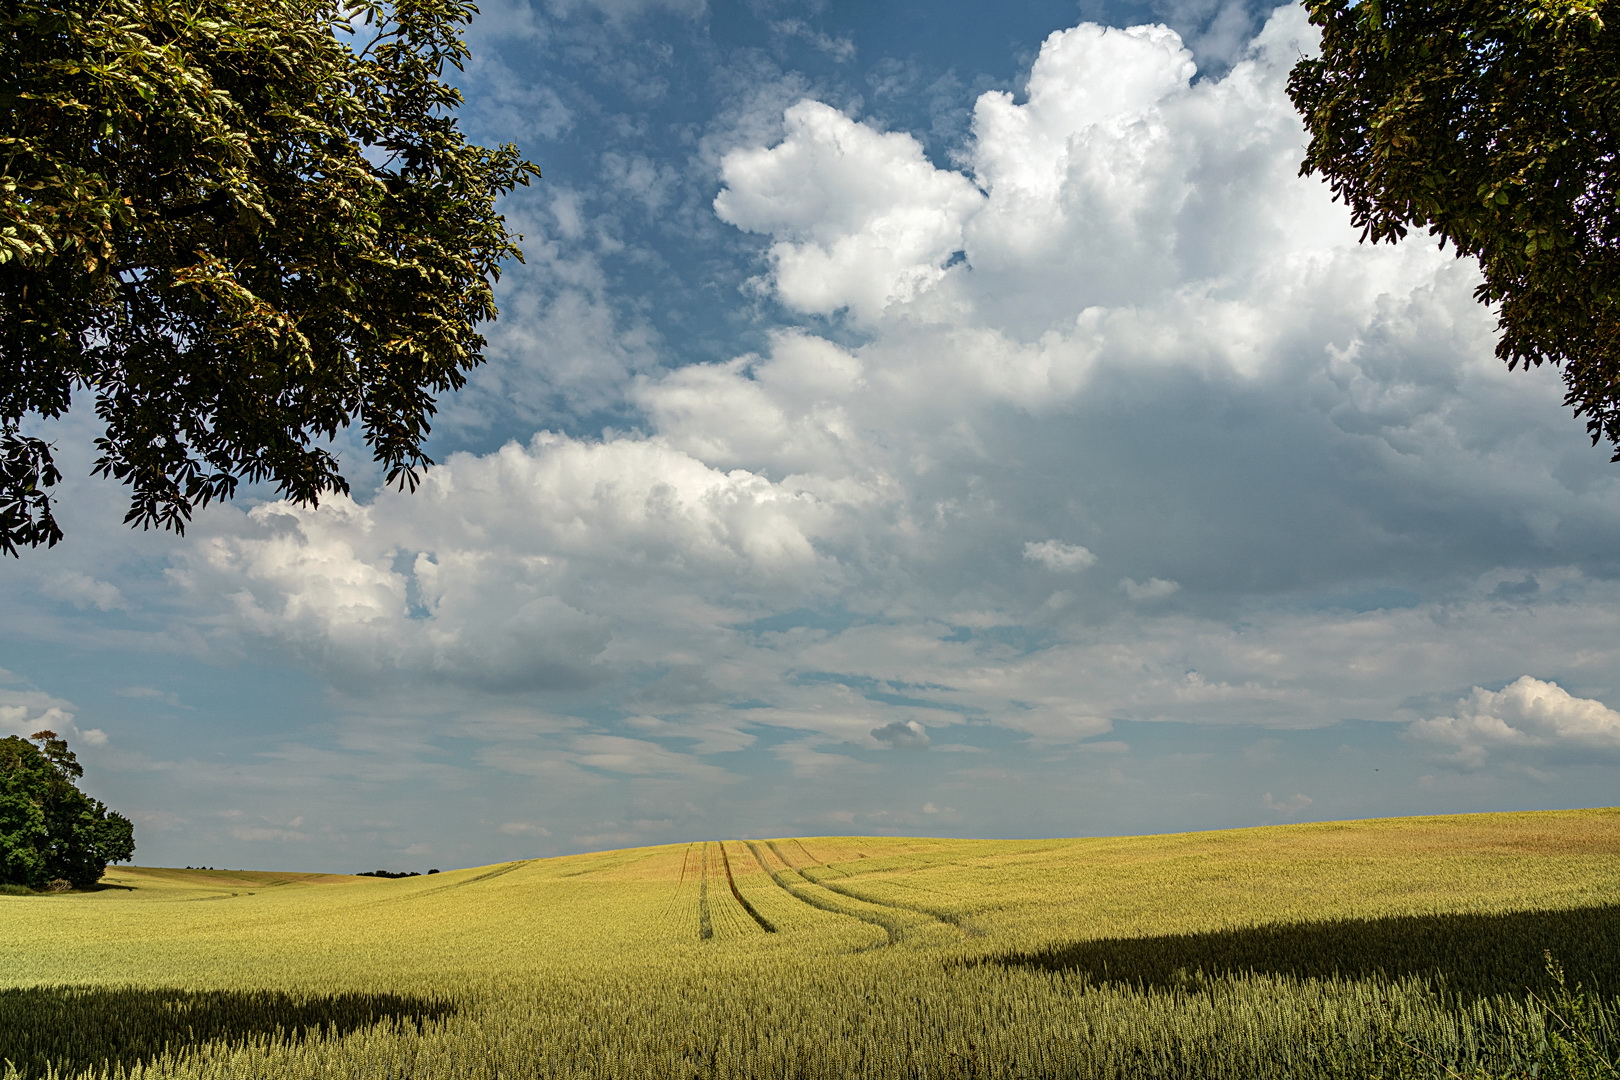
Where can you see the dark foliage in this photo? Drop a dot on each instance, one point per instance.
(1494, 125)
(49, 829)
(238, 226)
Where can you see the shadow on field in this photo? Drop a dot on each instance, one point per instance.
(1471, 955)
(73, 1028)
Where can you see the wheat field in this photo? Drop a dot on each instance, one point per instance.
(1401, 947)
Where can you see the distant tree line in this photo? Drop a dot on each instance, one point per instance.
(391, 873)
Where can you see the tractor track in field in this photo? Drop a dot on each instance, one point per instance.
(948, 918)
(807, 896)
(753, 913)
(675, 897)
(896, 929)
(706, 867)
(507, 868)
(705, 924)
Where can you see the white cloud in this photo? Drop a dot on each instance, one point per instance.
(83, 591)
(841, 49)
(862, 219)
(649, 182)
(1090, 147)
(564, 338)
(524, 828)
(1151, 589)
(151, 693)
(519, 109)
(1117, 181)
(902, 735)
(710, 735)
(639, 757)
(793, 411)
(492, 573)
(1528, 717)
(1058, 556)
(27, 711)
(809, 763)
(1290, 805)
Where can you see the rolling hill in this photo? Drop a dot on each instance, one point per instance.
(1327, 950)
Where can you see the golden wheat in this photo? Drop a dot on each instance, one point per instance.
(1301, 951)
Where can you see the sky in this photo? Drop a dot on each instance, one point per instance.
(910, 418)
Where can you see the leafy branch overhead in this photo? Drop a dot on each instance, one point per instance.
(240, 226)
(1495, 126)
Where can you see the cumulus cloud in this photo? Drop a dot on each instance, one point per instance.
(1116, 181)
(1527, 718)
(1151, 589)
(862, 219)
(1078, 149)
(25, 711)
(1058, 556)
(480, 576)
(1293, 804)
(902, 735)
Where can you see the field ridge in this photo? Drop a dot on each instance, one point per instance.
(1339, 951)
(949, 918)
(810, 897)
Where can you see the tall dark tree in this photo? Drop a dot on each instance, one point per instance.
(1494, 125)
(238, 226)
(49, 829)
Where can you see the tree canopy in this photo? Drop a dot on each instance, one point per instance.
(1494, 125)
(49, 829)
(239, 226)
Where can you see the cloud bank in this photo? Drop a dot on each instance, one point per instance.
(1120, 318)
(1103, 418)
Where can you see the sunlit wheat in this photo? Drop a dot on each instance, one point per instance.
(1384, 948)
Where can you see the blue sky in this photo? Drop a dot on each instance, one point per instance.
(912, 419)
